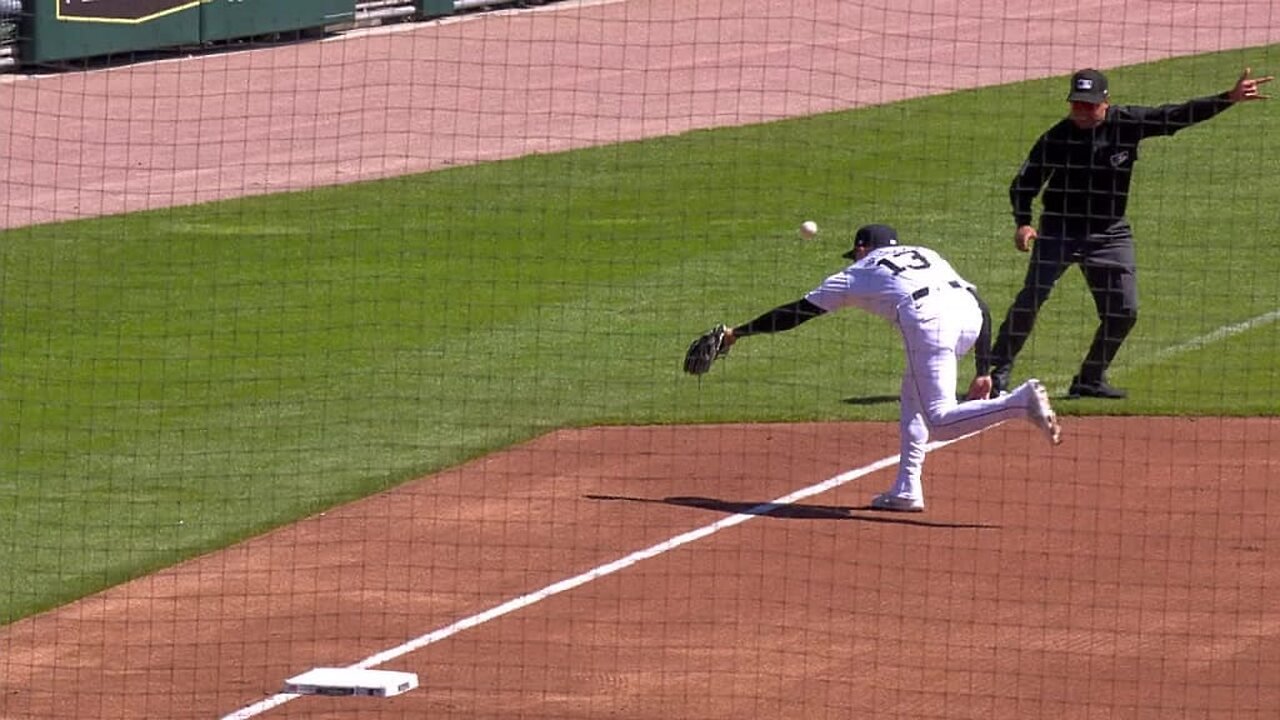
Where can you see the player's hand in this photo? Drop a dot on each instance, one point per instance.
(1247, 87)
(979, 389)
(1024, 237)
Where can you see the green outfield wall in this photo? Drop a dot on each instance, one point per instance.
(433, 8)
(227, 19)
(60, 30)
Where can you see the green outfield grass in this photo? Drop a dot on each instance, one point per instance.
(178, 380)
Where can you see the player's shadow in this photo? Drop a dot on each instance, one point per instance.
(795, 511)
(885, 399)
(871, 400)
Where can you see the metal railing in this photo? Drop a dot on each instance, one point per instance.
(8, 44)
(369, 11)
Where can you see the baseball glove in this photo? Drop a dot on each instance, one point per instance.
(705, 349)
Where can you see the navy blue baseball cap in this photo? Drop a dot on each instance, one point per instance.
(872, 237)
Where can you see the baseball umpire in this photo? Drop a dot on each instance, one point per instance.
(1084, 165)
(940, 317)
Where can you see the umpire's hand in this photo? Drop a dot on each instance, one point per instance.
(1246, 87)
(1023, 237)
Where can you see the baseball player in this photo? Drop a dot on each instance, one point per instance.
(940, 317)
(1084, 165)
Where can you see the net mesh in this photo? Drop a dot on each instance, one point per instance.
(363, 351)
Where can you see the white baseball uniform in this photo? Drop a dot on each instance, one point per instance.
(918, 292)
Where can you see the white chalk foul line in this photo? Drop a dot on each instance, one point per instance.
(595, 573)
(1194, 343)
(1221, 333)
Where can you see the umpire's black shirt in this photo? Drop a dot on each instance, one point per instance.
(1088, 171)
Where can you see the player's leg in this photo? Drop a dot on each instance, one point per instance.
(907, 492)
(948, 419)
(933, 338)
(933, 348)
(1111, 273)
(1049, 259)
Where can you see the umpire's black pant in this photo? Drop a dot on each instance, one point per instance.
(1110, 269)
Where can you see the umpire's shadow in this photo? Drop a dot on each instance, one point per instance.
(796, 511)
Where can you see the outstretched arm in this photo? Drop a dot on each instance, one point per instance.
(1169, 119)
(716, 342)
(783, 317)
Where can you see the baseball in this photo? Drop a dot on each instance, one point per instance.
(808, 228)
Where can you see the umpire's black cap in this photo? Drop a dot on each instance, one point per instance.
(872, 237)
(1088, 86)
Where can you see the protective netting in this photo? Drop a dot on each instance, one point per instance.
(364, 351)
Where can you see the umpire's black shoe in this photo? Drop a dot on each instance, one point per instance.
(1095, 389)
(1000, 381)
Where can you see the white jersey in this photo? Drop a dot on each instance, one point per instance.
(887, 276)
(925, 299)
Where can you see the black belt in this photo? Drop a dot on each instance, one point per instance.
(924, 291)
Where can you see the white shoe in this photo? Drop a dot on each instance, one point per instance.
(1041, 414)
(896, 503)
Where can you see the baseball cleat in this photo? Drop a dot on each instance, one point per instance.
(895, 503)
(1041, 414)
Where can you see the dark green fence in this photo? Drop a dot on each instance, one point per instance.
(227, 19)
(66, 29)
(58, 30)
